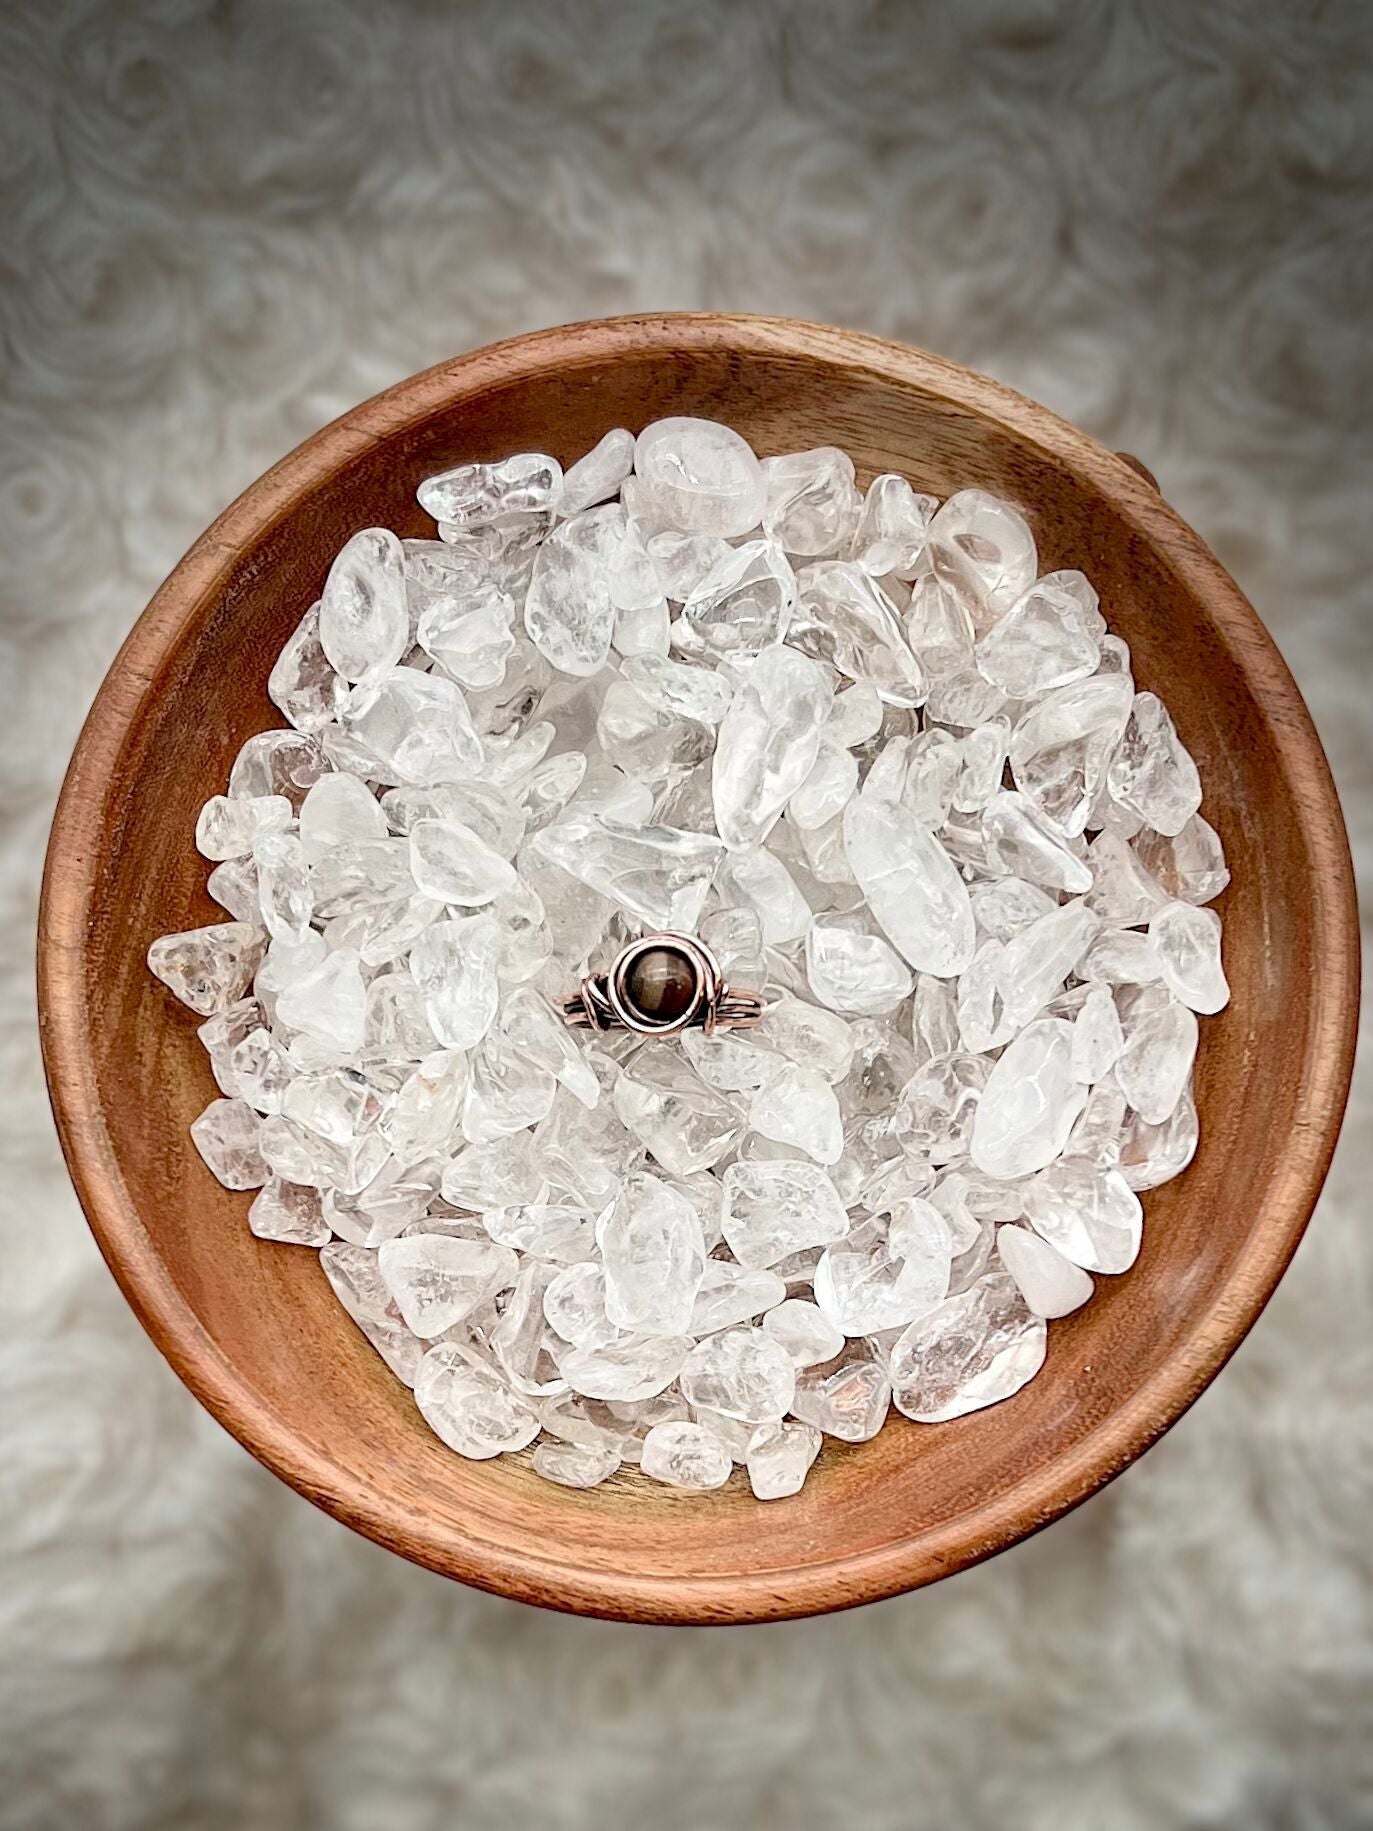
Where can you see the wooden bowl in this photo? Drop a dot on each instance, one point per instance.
(253, 1329)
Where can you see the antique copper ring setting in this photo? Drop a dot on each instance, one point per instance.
(657, 986)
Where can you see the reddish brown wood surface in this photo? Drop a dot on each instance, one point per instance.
(252, 1328)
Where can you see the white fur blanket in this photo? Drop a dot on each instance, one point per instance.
(225, 221)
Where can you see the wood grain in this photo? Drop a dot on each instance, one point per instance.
(252, 1328)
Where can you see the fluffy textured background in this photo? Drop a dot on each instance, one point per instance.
(224, 223)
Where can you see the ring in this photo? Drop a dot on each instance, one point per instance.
(658, 985)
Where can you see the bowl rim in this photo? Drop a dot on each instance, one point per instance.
(71, 876)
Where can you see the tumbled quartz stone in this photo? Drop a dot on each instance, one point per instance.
(779, 1458)
(807, 1035)
(804, 1331)
(858, 974)
(849, 1402)
(654, 1257)
(892, 527)
(912, 886)
(1036, 961)
(288, 1212)
(844, 617)
(475, 495)
(1040, 643)
(974, 1350)
(1029, 1103)
(1160, 1047)
(742, 605)
(699, 477)
(767, 744)
(437, 1280)
(659, 874)
(773, 1209)
(686, 1125)
(329, 1002)
(471, 639)
(536, 1031)
(597, 475)
(628, 1367)
(741, 1372)
(364, 619)
(731, 1294)
(760, 879)
(1091, 1215)
(575, 1465)
(303, 682)
(1152, 1154)
(982, 548)
(228, 826)
(1097, 1036)
(685, 1455)
(1021, 842)
(1122, 891)
(454, 966)
(209, 969)
(811, 501)
(1050, 1284)
(228, 1136)
(574, 1305)
(1151, 773)
(1187, 941)
(569, 613)
(454, 865)
(797, 1106)
(1189, 865)
(410, 727)
(863, 1286)
(1060, 748)
(285, 896)
(469, 1405)
(828, 788)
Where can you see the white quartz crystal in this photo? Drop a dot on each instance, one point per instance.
(901, 787)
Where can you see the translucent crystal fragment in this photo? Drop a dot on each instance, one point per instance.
(654, 1257)
(537, 1032)
(982, 548)
(576, 1465)
(1091, 1215)
(1040, 643)
(797, 1106)
(892, 527)
(329, 1002)
(1023, 843)
(804, 1331)
(1160, 1047)
(780, 1457)
(574, 1305)
(1123, 892)
(768, 742)
(290, 1213)
(856, 973)
(699, 477)
(437, 1280)
(569, 613)
(1029, 1103)
(844, 617)
(454, 865)
(211, 968)
(939, 630)
(864, 1286)
(284, 893)
(660, 875)
(731, 1294)
(828, 788)
(303, 681)
(973, 1350)
(228, 1136)
(912, 886)
(598, 475)
(760, 879)
(1050, 1284)
(686, 1125)
(470, 1406)
(811, 501)
(364, 619)
(471, 640)
(1151, 773)
(409, 727)
(1189, 865)
(809, 1036)
(685, 1455)
(1036, 961)
(228, 826)
(1151, 1154)
(1187, 941)
(742, 605)
(849, 1402)
(339, 810)
(629, 1367)
(679, 689)
(1097, 1036)
(454, 966)
(773, 1209)
(743, 1373)
(1061, 747)
(475, 495)
(647, 743)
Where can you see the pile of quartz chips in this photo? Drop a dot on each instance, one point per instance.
(895, 778)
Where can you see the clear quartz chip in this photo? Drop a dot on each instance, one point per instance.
(303, 682)
(289, 1212)
(410, 727)
(468, 1403)
(805, 1331)
(1160, 1047)
(576, 1465)
(844, 617)
(1050, 1284)
(364, 618)
(685, 1125)
(768, 742)
(1061, 746)
(772, 1210)
(912, 886)
(1091, 1215)
(1029, 1103)
(230, 825)
(228, 1136)
(741, 1372)
(454, 966)
(892, 527)
(1040, 643)
(476, 495)
(597, 475)
(812, 506)
(973, 1350)
(654, 1257)
(849, 1402)
(983, 550)
(1187, 941)
(660, 875)
(742, 605)
(1022, 842)
(1189, 865)
(858, 974)
(1151, 774)
(453, 864)
(797, 1106)
(211, 968)
(437, 1280)
(685, 1455)
(699, 477)
(779, 1458)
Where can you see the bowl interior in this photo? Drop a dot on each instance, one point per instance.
(253, 1327)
